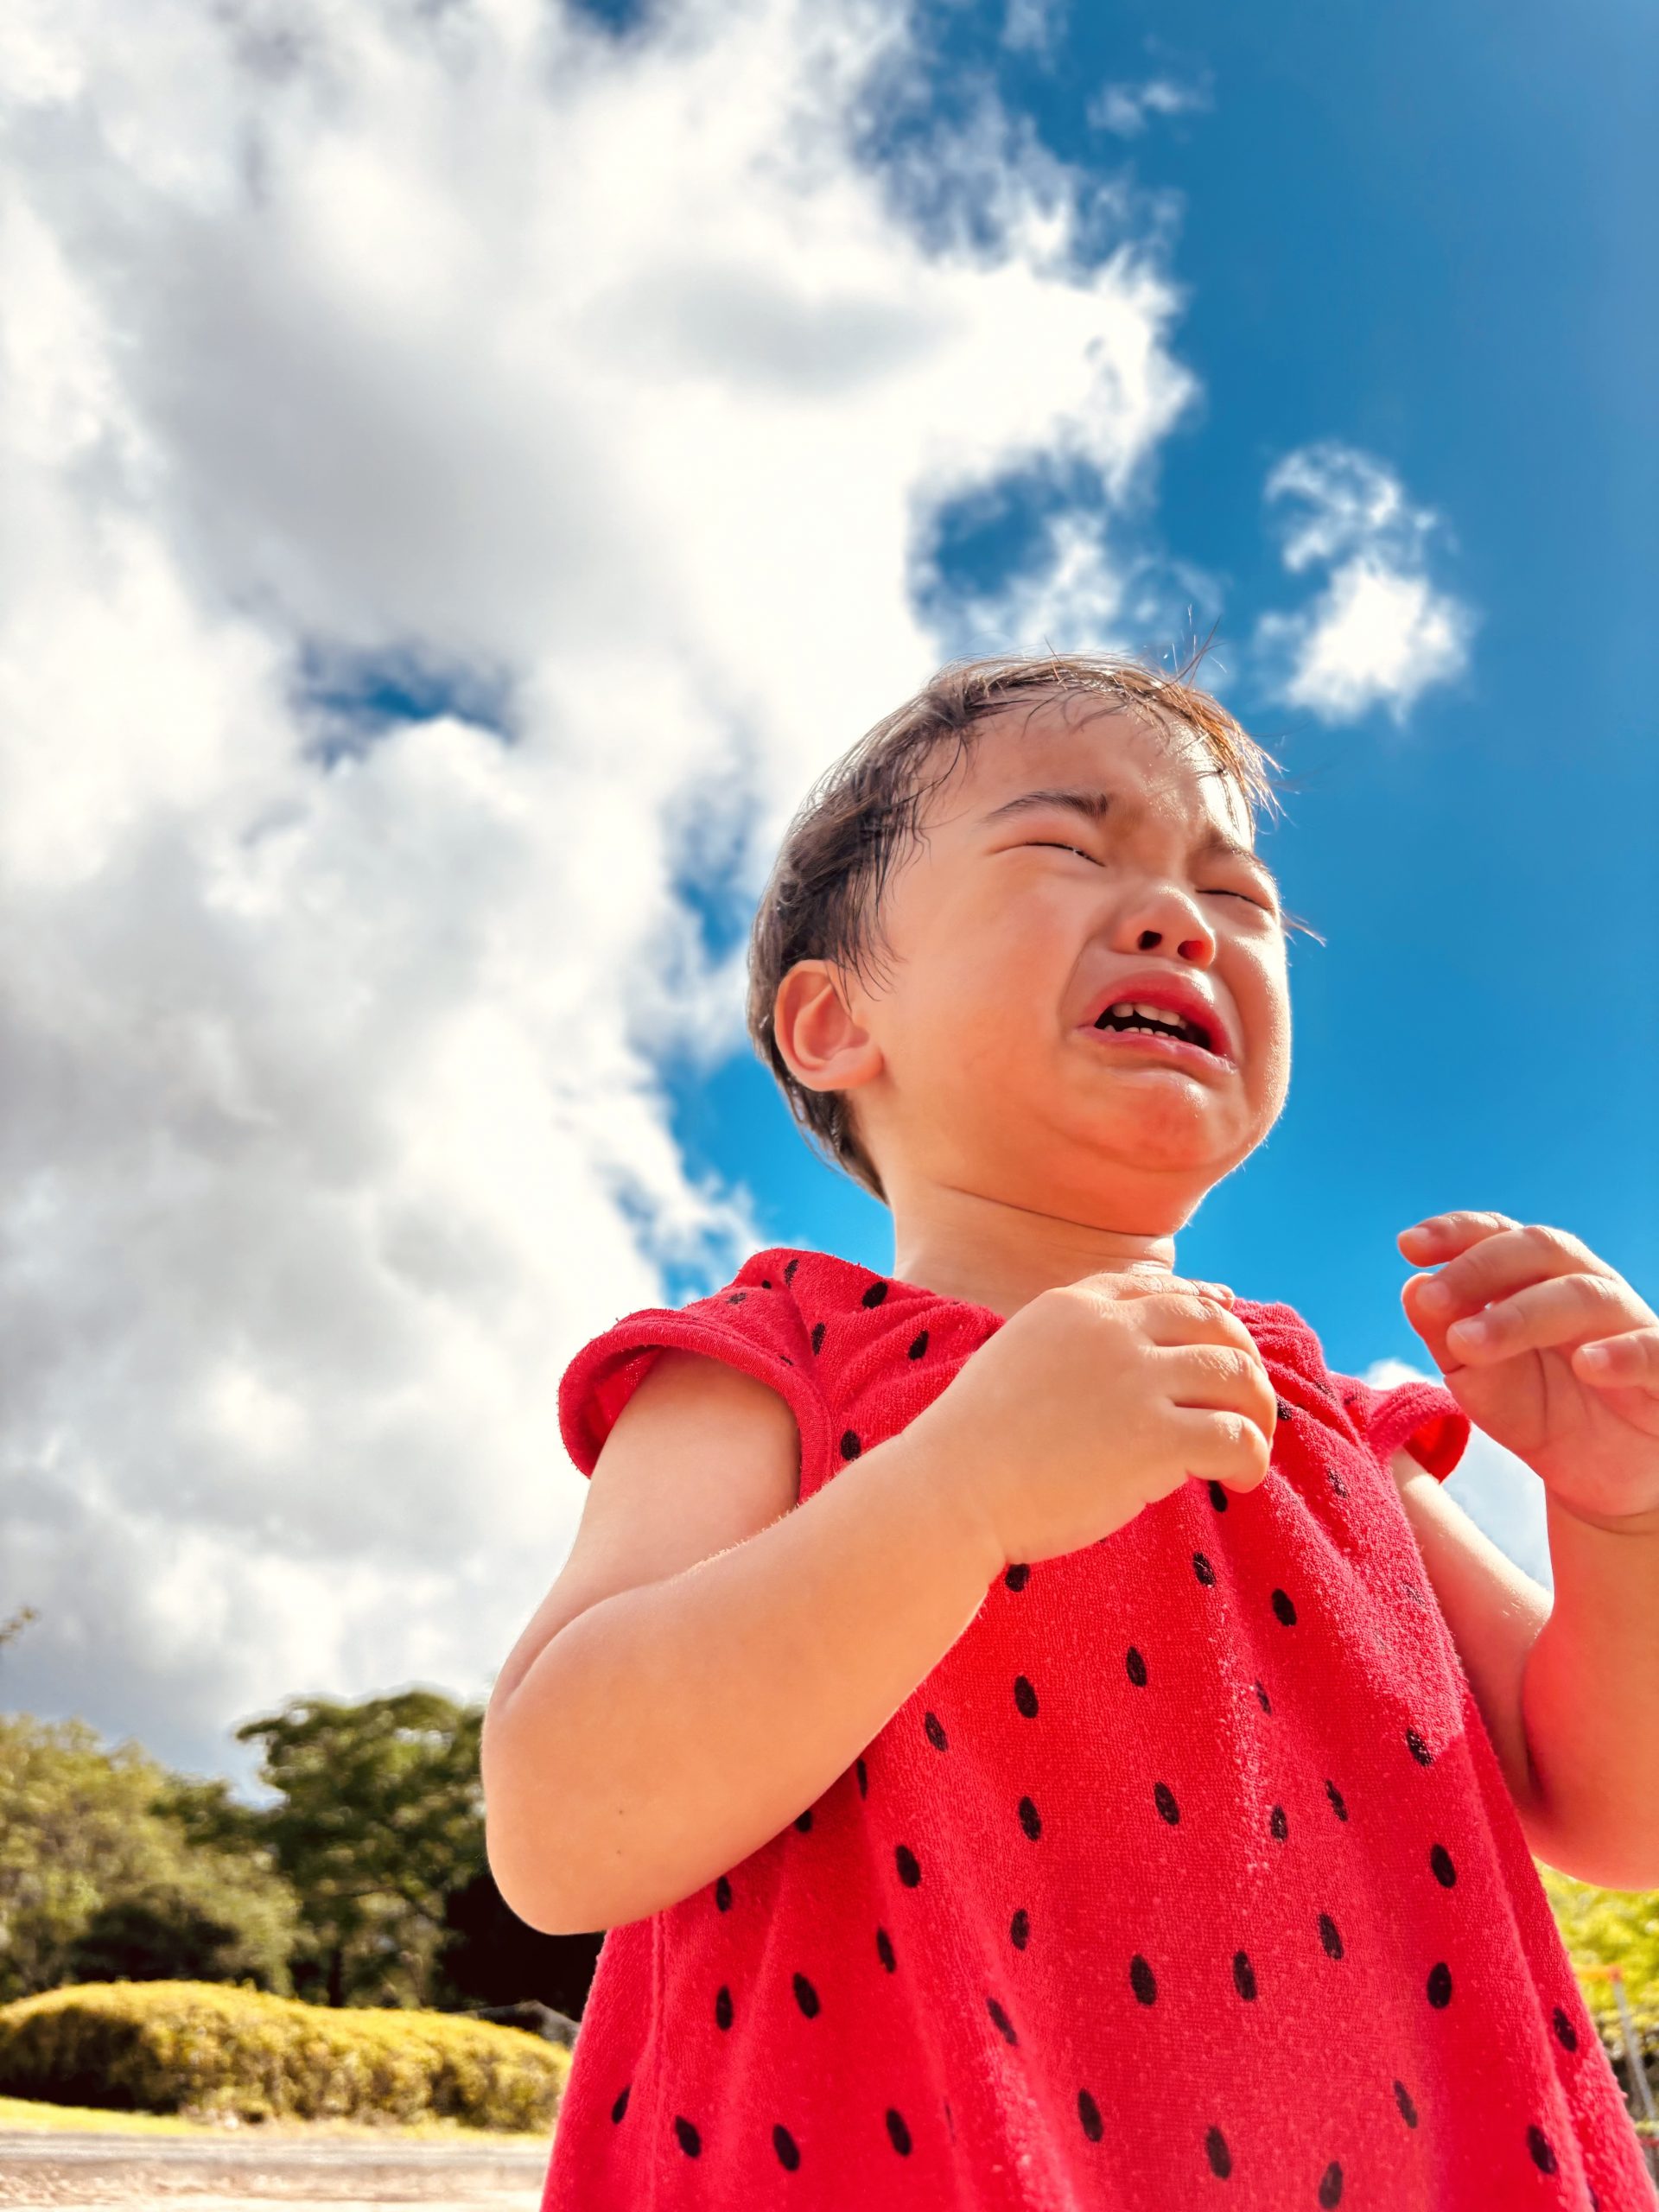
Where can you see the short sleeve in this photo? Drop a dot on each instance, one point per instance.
(748, 1326)
(1424, 1416)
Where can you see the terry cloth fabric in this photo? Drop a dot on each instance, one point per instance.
(1188, 1875)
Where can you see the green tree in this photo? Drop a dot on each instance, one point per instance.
(1614, 1927)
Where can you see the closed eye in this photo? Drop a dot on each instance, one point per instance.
(1050, 844)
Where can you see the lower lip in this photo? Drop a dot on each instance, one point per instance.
(1175, 1050)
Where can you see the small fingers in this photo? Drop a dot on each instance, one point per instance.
(1630, 1361)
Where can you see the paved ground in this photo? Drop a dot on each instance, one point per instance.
(86, 2171)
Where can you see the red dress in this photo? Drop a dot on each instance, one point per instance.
(1188, 1876)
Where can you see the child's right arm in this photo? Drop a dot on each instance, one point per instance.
(640, 1741)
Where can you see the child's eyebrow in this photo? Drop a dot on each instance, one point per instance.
(1094, 806)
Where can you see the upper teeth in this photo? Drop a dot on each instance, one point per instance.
(1161, 1014)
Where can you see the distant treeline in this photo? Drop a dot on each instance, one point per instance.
(365, 1882)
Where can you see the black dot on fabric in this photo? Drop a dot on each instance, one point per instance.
(1024, 1697)
(783, 2144)
(918, 1346)
(1407, 2110)
(1337, 1482)
(883, 1951)
(1329, 1935)
(1284, 1412)
(898, 2134)
(1089, 2113)
(723, 1894)
(1217, 1496)
(1019, 1930)
(1439, 1985)
(806, 1997)
(1137, 1667)
(1440, 1859)
(949, 2122)
(1030, 1820)
(1017, 1576)
(723, 2007)
(909, 1871)
(935, 1731)
(690, 2141)
(863, 1774)
(622, 2104)
(787, 1361)
(1566, 2034)
(1337, 1805)
(1330, 2186)
(1542, 2157)
(1285, 1610)
(1004, 2024)
(874, 1294)
(1418, 1748)
(1167, 1805)
(850, 1446)
(737, 1297)
(1220, 2157)
(818, 1335)
(1202, 1569)
(765, 1284)
(804, 1821)
(1243, 1975)
(1262, 1699)
(1415, 1594)
(789, 1271)
(1142, 1981)
(1276, 1824)
(1595, 2202)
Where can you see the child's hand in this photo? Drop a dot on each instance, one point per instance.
(1545, 1304)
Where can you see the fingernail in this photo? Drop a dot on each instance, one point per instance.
(1595, 1355)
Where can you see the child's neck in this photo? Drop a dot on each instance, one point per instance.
(1001, 1257)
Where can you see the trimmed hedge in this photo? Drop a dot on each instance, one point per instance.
(207, 2047)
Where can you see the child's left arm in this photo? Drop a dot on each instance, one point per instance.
(1582, 1683)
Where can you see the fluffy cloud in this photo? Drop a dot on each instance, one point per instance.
(1381, 633)
(1123, 109)
(462, 470)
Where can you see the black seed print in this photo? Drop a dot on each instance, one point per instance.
(1440, 1859)
(918, 1346)
(1220, 2157)
(883, 1951)
(789, 1271)
(690, 2141)
(1019, 1930)
(1142, 1981)
(1284, 1412)
(1167, 1805)
(1217, 1496)
(949, 2122)
(1329, 1935)
(1243, 1975)
(622, 2104)
(1337, 1482)
(1202, 1569)
(806, 1997)
(723, 1894)
(936, 1735)
(1262, 1699)
(1330, 2186)
(1337, 1805)
(787, 1361)
(850, 1446)
(1418, 1748)
(1089, 2113)
(1595, 2202)
(1030, 1820)
(897, 2133)
(1440, 1986)
(863, 1774)
(1024, 1697)
(1407, 2110)
(1413, 1593)
(1004, 2024)
(818, 1335)
(1017, 1577)
(1276, 1824)
(765, 1285)
(783, 2144)
(1566, 2034)
(874, 1294)
(1137, 1667)
(804, 1821)
(1542, 2157)
(909, 1872)
(737, 1297)
(723, 2007)
(1285, 1610)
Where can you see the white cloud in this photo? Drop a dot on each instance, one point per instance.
(1381, 631)
(610, 376)
(1033, 26)
(1499, 1492)
(1123, 109)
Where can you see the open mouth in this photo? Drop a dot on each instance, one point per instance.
(1160, 1032)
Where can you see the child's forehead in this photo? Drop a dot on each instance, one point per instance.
(1100, 744)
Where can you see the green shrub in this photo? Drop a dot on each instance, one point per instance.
(201, 2046)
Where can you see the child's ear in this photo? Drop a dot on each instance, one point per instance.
(824, 1043)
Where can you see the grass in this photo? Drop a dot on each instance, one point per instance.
(85, 2119)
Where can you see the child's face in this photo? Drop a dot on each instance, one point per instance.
(974, 1063)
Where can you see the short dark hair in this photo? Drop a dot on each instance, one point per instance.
(823, 898)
